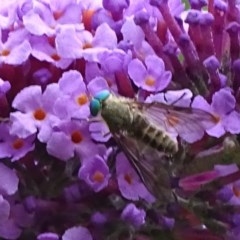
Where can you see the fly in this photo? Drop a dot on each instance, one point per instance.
(135, 126)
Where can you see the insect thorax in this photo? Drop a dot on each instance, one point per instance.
(116, 112)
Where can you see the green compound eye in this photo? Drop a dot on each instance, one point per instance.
(96, 102)
(95, 106)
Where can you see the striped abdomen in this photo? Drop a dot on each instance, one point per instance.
(153, 135)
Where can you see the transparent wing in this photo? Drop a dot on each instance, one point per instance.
(148, 163)
(189, 123)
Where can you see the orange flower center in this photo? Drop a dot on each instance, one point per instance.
(236, 191)
(55, 57)
(87, 18)
(216, 118)
(39, 114)
(76, 137)
(51, 40)
(87, 45)
(57, 15)
(5, 52)
(18, 143)
(150, 81)
(128, 178)
(82, 99)
(98, 176)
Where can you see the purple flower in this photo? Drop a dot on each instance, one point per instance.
(8, 180)
(74, 96)
(115, 64)
(95, 72)
(129, 182)
(70, 137)
(13, 219)
(223, 106)
(96, 85)
(151, 76)
(99, 131)
(8, 14)
(43, 18)
(12, 146)
(134, 34)
(4, 87)
(18, 218)
(97, 47)
(75, 233)
(95, 173)
(133, 215)
(84, 44)
(44, 51)
(35, 111)
(9, 230)
(106, 31)
(70, 33)
(17, 49)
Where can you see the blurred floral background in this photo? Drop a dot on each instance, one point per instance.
(62, 176)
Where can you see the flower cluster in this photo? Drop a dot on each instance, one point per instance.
(63, 175)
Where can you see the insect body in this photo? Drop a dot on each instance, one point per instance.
(124, 116)
(143, 129)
